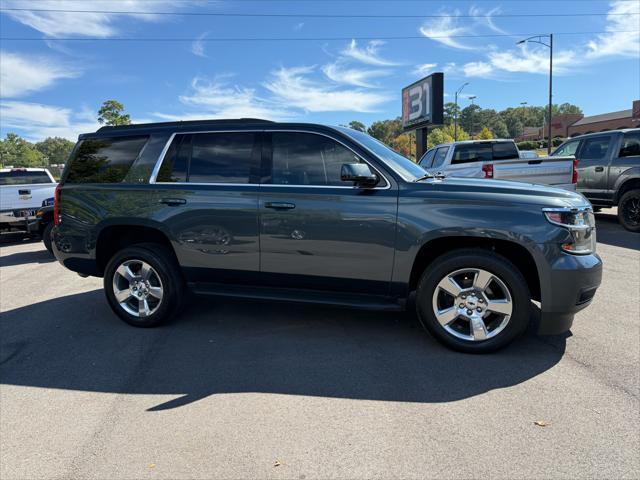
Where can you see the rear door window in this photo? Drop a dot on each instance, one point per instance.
(630, 145)
(441, 154)
(22, 177)
(472, 152)
(228, 157)
(595, 148)
(104, 160)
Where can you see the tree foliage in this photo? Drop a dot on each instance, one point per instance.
(485, 134)
(55, 150)
(445, 135)
(359, 126)
(17, 152)
(110, 113)
(386, 130)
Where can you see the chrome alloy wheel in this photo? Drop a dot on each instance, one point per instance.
(137, 288)
(472, 304)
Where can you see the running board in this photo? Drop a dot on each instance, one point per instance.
(336, 299)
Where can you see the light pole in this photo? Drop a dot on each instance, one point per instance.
(523, 105)
(455, 114)
(472, 98)
(538, 39)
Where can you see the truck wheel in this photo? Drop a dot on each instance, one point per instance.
(629, 210)
(473, 301)
(46, 237)
(143, 285)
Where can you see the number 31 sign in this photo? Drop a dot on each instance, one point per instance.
(422, 102)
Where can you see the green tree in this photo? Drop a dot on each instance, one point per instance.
(55, 150)
(386, 130)
(450, 109)
(356, 125)
(405, 145)
(111, 113)
(445, 135)
(17, 152)
(565, 108)
(469, 118)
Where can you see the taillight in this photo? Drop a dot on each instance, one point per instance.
(488, 170)
(574, 177)
(56, 205)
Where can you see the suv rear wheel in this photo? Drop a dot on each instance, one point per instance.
(629, 210)
(143, 285)
(473, 301)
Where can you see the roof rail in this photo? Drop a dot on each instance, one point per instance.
(183, 123)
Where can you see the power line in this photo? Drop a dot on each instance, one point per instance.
(291, 39)
(312, 15)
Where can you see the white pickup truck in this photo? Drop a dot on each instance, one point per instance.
(499, 159)
(22, 193)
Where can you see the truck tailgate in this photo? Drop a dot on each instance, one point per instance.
(544, 170)
(25, 197)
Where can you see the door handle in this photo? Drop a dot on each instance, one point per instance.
(280, 205)
(173, 202)
(599, 169)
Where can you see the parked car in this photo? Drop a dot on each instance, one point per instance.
(310, 213)
(499, 159)
(609, 171)
(22, 191)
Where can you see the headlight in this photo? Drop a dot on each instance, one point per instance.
(581, 224)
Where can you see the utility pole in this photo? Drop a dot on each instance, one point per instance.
(455, 114)
(538, 39)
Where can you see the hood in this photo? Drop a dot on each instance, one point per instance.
(503, 191)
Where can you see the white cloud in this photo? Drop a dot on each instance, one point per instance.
(534, 60)
(217, 99)
(622, 37)
(22, 74)
(368, 55)
(443, 29)
(293, 87)
(36, 121)
(477, 69)
(64, 24)
(197, 47)
(352, 76)
(424, 69)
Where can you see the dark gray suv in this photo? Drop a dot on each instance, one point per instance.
(329, 215)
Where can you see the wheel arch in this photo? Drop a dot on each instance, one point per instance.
(512, 251)
(629, 180)
(116, 236)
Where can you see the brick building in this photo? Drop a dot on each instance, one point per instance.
(572, 125)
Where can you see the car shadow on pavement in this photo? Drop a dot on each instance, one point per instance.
(20, 258)
(610, 231)
(227, 346)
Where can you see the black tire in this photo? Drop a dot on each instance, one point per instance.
(629, 210)
(166, 269)
(495, 264)
(46, 237)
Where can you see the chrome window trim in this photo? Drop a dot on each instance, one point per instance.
(165, 149)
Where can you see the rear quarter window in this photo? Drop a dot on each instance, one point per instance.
(473, 152)
(104, 160)
(505, 151)
(23, 178)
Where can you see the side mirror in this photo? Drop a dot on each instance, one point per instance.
(359, 173)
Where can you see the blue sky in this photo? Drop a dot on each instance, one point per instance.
(54, 87)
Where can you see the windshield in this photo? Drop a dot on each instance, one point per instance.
(404, 167)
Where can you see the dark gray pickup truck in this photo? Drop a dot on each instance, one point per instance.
(318, 214)
(609, 171)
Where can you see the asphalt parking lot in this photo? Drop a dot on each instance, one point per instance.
(239, 389)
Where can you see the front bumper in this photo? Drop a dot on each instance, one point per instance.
(570, 286)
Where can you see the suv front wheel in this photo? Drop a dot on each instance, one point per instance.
(473, 301)
(143, 285)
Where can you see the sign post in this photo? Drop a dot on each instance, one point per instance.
(422, 107)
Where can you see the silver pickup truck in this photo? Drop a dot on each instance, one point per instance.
(22, 191)
(499, 159)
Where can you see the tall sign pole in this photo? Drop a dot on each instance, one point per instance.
(422, 107)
